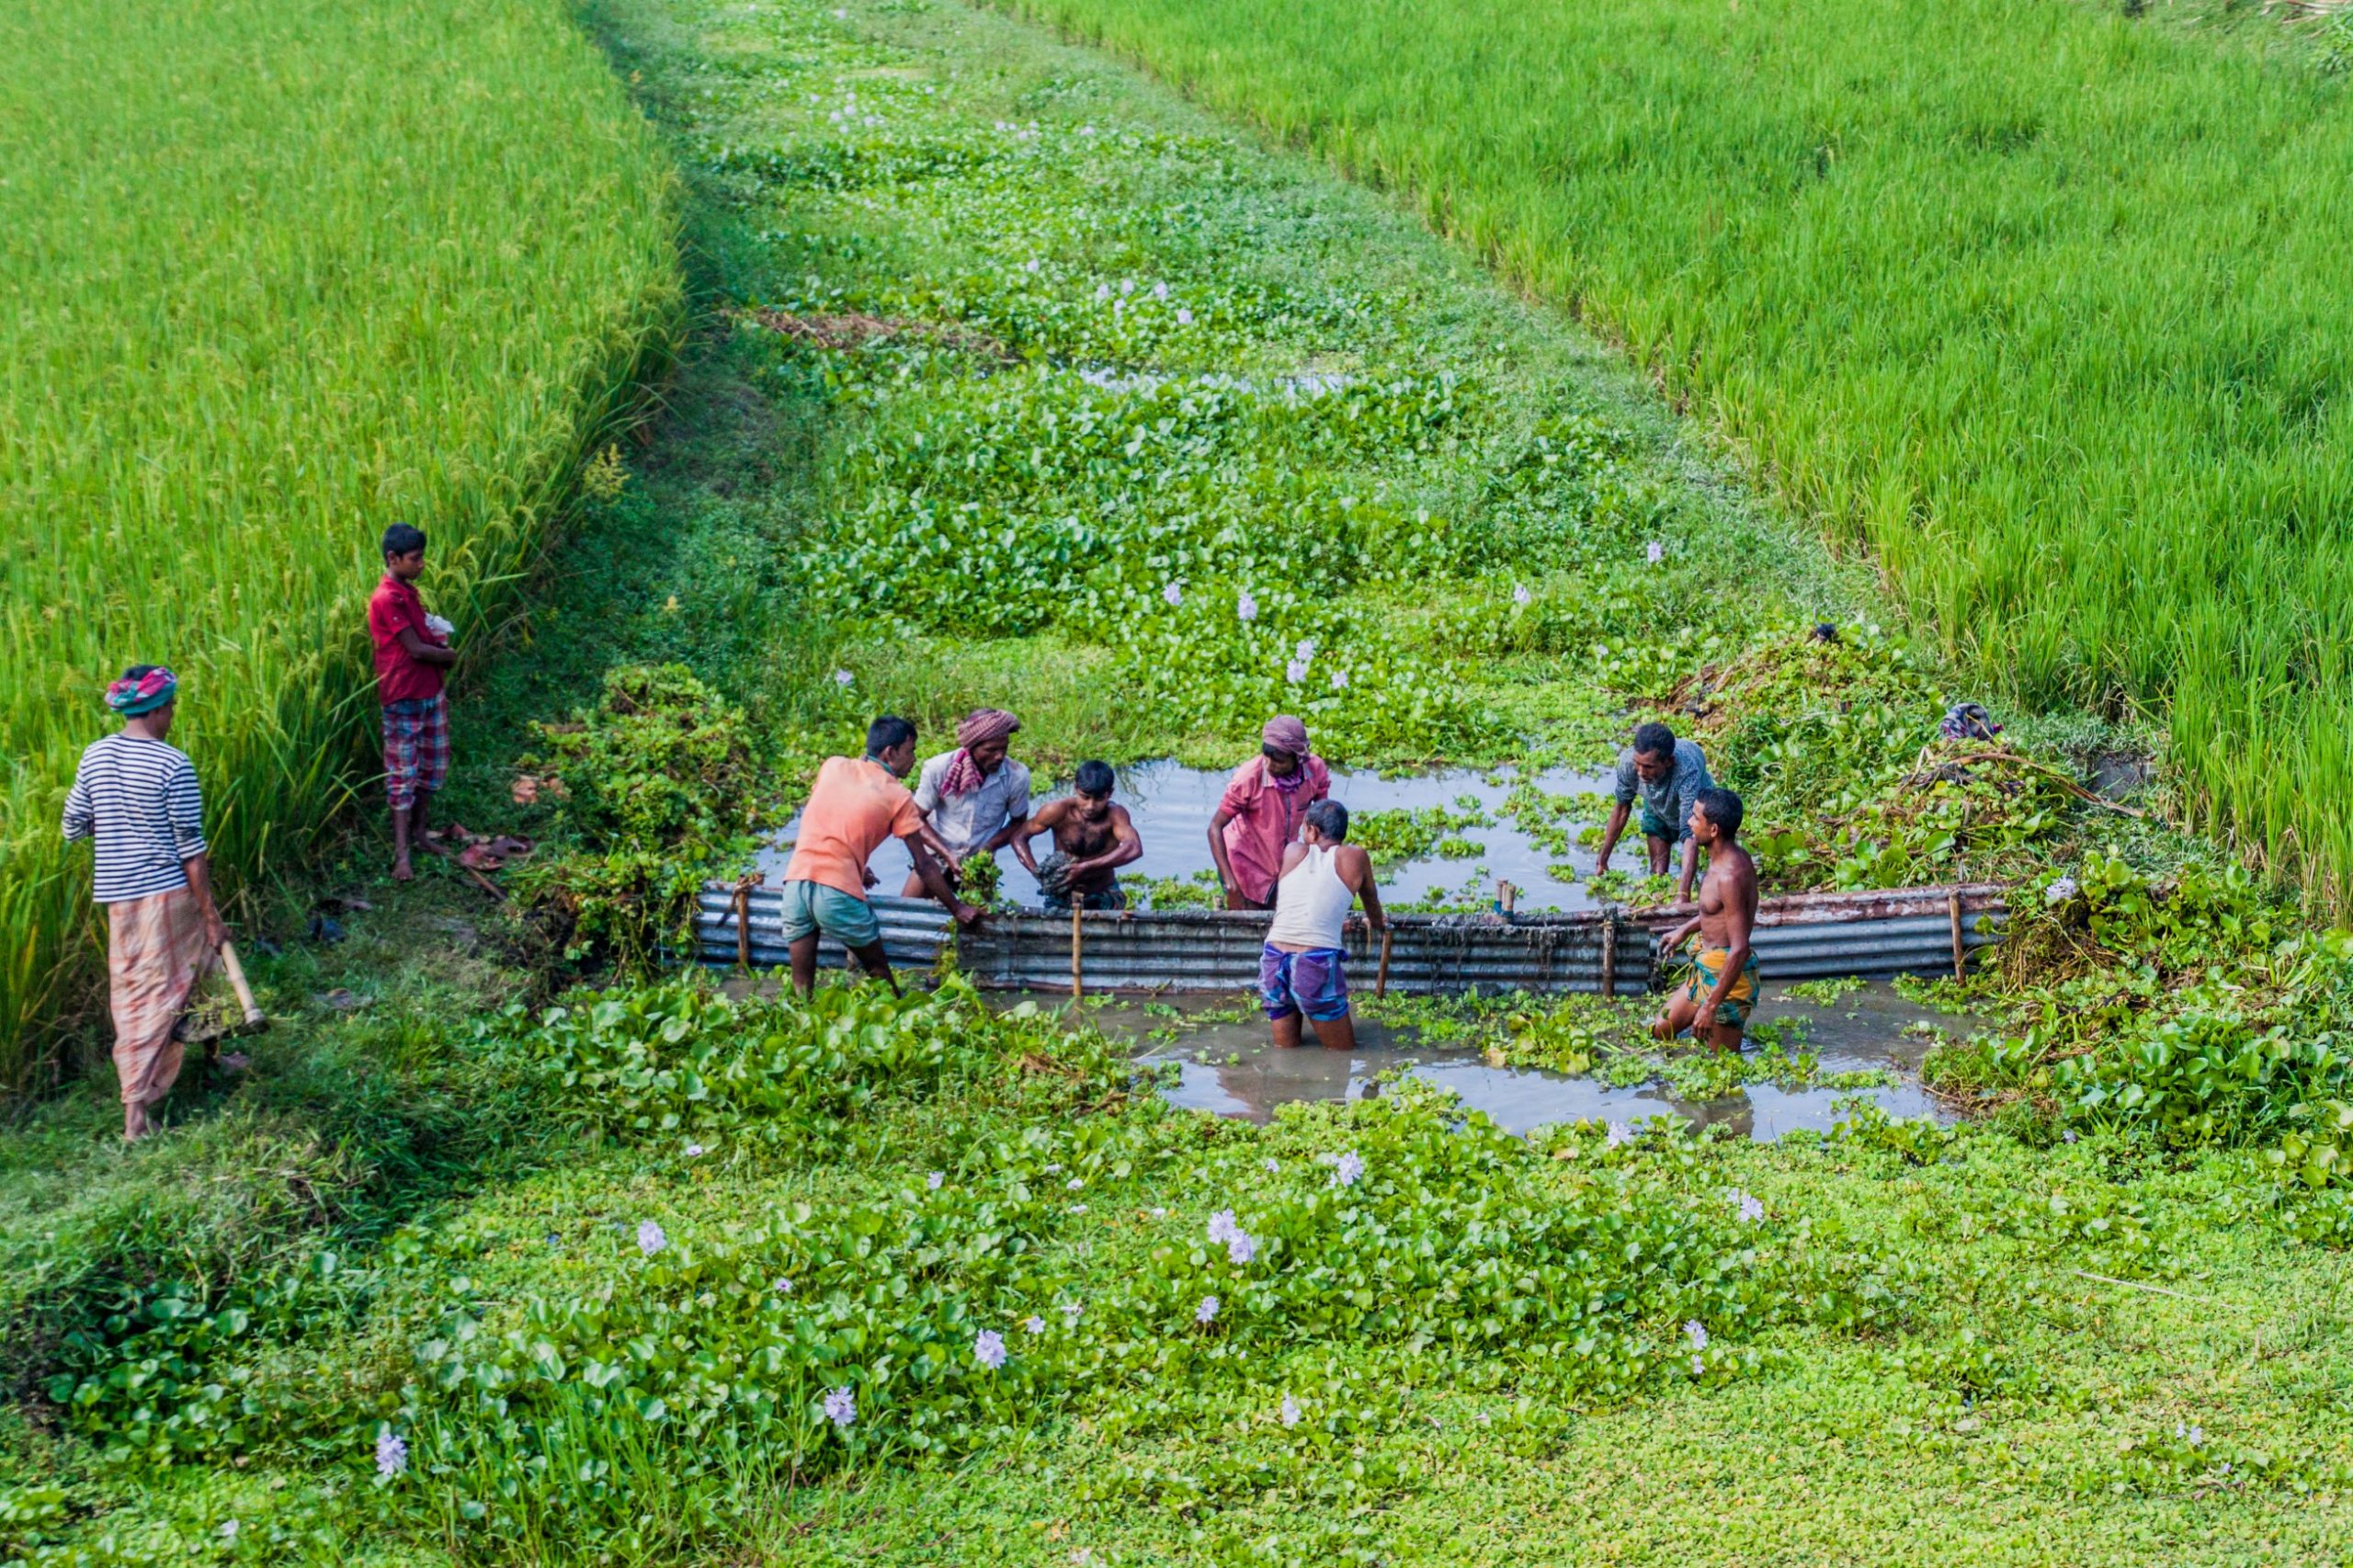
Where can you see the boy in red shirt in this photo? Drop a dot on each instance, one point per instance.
(412, 650)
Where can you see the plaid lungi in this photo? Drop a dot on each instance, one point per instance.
(416, 748)
(155, 954)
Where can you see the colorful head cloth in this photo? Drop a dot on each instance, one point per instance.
(980, 727)
(1285, 733)
(132, 698)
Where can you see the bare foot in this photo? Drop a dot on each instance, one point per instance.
(401, 870)
(232, 1061)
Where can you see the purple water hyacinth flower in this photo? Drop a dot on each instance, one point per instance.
(1206, 1311)
(1184, 316)
(696, 1151)
(841, 1407)
(1244, 606)
(1619, 1135)
(843, 677)
(1305, 651)
(1160, 290)
(1175, 594)
(1654, 551)
(391, 1453)
(1054, 1170)
(1241, 1247)
(936, 1180)
(1273, 1165)
(1339, 680)
(1751, 1211)
(1034, 1323)
(1029, 266)
(1071, 1310)
(784, 1287)
(1520, 596)
(1697, 1332)
(1102, 293)
(1698, 1367)
(988, 1348)
(1127, 287)
(650, 1239)
(1290, 1412)
(1078, 1207)
(1296, 671)
(1223, 1227)
(1075, 1184)
(1346, 1169)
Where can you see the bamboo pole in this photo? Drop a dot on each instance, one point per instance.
(1609, 952)
(1077, 946)
(744, 925)
(254, 1017)
(1960, 947)
(1381, 981)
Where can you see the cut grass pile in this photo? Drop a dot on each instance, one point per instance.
(278, 276)
(2046, 303)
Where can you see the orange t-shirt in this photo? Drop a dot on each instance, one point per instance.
(855, 805)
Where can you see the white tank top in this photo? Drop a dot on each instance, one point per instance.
(1310, 902)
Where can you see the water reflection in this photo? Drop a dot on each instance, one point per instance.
(1230, 1069)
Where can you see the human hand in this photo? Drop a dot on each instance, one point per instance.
(1662, 1028)
(969, 917)
(439, 628)
(216, 930)
(871, 879)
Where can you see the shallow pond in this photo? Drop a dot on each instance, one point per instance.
(1872, 1027)
(1171, 806)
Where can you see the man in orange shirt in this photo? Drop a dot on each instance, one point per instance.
(854, 807)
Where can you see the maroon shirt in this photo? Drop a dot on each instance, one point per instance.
(394, 608)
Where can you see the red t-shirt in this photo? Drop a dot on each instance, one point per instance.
(394, 607)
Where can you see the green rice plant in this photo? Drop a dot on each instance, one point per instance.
(278, 276)
(2046, 303)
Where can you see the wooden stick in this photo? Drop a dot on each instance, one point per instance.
(1609, 952)
(1381, 981)
(237, 983)
(1507, 895)
(744, 925)
(1960, 947)
(1077, 946)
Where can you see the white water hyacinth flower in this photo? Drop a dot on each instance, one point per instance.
(1656, 552)
(1520, 596)
(1290, 1412)
(1619, 1135)
(842, 677)
(2060, 890)
(1175, 594)
(1696, 1334)
(1244, 606)
(1160, 290)
(1296, 671)
(650, 1239)
(1751, 1211)
(1184, 316)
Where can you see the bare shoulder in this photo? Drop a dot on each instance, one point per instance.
(1051, 812)
(1354, 864)
(1120, 819)
(1293, 853)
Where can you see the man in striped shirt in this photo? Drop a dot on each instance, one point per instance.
(137, 797)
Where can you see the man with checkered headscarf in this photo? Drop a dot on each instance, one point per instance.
(976, 797)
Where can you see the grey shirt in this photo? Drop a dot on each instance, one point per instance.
(1670, 799)
(970, 820)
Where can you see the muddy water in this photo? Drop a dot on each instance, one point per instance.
(1869, 1029)
(1171, 806)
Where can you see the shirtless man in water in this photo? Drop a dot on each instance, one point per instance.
(1093, 838)
(1723, 987)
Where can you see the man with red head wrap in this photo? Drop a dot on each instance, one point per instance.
(976, 797)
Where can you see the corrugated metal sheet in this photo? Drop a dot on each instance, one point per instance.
(1873, 934)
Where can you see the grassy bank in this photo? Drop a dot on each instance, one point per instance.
(660, 1278)
(2045, 301)
(279, 277)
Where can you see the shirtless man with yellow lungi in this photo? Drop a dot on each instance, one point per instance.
(1723, 987)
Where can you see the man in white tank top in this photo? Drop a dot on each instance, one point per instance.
(1301, 968)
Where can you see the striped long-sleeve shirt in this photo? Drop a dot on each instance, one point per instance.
(139, 798)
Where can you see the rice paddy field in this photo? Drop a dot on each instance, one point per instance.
(2043, 301)
(1009, 376)
(279, 276)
